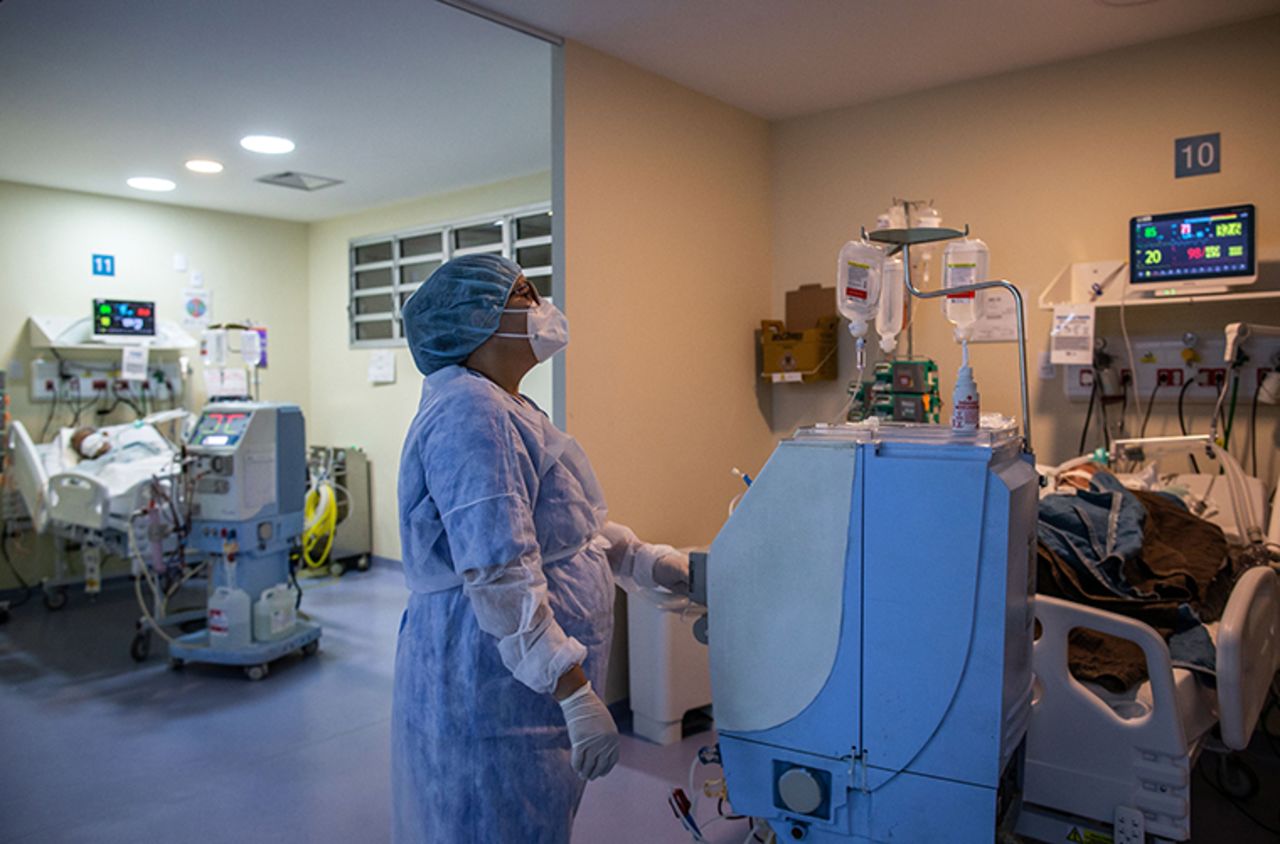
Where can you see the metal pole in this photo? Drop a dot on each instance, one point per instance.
(1022, 329)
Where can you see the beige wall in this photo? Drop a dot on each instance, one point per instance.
(1046, 165)
(255, 267)
(345, 408)
(666, 261)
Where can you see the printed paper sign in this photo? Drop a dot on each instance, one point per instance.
(1072, 334)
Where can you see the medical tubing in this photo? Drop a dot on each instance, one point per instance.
(1151, 402)
(145, 570)
(1022, 328)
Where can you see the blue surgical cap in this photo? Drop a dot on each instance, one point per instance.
(457, 309)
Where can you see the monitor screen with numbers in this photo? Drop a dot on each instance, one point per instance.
(1190, 252)
(119, 318)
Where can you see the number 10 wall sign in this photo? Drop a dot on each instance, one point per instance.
(1197, 155)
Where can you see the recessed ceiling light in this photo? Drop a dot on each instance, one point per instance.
(266, 144)
(203, 165)
(151, 183)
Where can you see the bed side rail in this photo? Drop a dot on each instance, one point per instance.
(1248, 653)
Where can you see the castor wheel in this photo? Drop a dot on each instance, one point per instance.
(337, 569)
(1237, 779)
(362, 562)
(177, 664)
(55, 599)
(140, 648)
(311, 648)
(256, 672)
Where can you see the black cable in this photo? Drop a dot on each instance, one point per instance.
(1234, 802)
(1182, 420)
(53, 407)
(1088, 416)
(1151, 402)
(1230, 421)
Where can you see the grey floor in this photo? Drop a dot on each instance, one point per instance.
(94, 747)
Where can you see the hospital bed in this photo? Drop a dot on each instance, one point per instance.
(1122, 762)
(91, 502)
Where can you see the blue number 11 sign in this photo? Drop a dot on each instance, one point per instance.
(104, 264)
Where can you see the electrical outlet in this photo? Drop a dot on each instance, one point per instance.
(1169, 377)
(1211, 377)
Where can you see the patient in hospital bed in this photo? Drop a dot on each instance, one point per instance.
(1140, 554)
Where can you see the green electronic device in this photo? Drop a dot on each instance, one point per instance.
(904, 390)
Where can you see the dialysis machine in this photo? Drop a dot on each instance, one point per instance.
(870, 625)
(248, 468)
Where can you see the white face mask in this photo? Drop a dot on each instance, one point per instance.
(547, 329)
(93, 443)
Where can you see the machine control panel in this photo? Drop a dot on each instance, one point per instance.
(219, 429)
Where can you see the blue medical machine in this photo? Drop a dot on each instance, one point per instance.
(869, 614)
(247, 465)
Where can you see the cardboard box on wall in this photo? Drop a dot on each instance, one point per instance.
(803, 349)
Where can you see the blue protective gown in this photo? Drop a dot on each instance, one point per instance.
(477, 754)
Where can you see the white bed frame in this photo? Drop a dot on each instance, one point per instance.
(1125, 762)
(77, 507)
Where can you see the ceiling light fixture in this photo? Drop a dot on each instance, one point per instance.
(203, 165)
(150, 183)
(266, 144)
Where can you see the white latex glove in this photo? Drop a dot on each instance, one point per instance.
(592, 732)
(671, 570)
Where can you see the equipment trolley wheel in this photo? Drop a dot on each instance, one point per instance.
(362, 562)
(140, 648)
(177, 664)
(311, 648)
(55, 599)
(1237, 779)
(256, 672)
(337, 569)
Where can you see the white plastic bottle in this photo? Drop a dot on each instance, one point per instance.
(229, 618)
(964, 262)
(858, 273)
(889, 314)
(964, 400)
(275, 613)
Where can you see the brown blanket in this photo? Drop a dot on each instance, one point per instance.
(1184, 560)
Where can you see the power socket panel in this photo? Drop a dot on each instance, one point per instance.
(79, 381)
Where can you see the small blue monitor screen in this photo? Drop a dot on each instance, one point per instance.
(117, 317)
(1190, 245)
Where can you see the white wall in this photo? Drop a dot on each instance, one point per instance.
(255, 267)
(1047, 165)
(346, 409)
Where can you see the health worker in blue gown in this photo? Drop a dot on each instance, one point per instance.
(497, 722)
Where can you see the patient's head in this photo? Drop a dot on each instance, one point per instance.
(90, 443)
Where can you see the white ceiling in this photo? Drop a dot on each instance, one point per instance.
(398, 98)
(403, 98)
(783, 58)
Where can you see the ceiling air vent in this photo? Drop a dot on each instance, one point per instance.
(299, 181)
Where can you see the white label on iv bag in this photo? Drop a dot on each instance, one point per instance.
(961, 275)
(857, 278)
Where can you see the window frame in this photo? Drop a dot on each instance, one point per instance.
(507, 246)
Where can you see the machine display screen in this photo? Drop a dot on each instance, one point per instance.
(1192, 245)
(218, 428)
(120, 318)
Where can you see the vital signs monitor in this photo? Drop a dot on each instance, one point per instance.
(121, 321)
(1188, 252)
